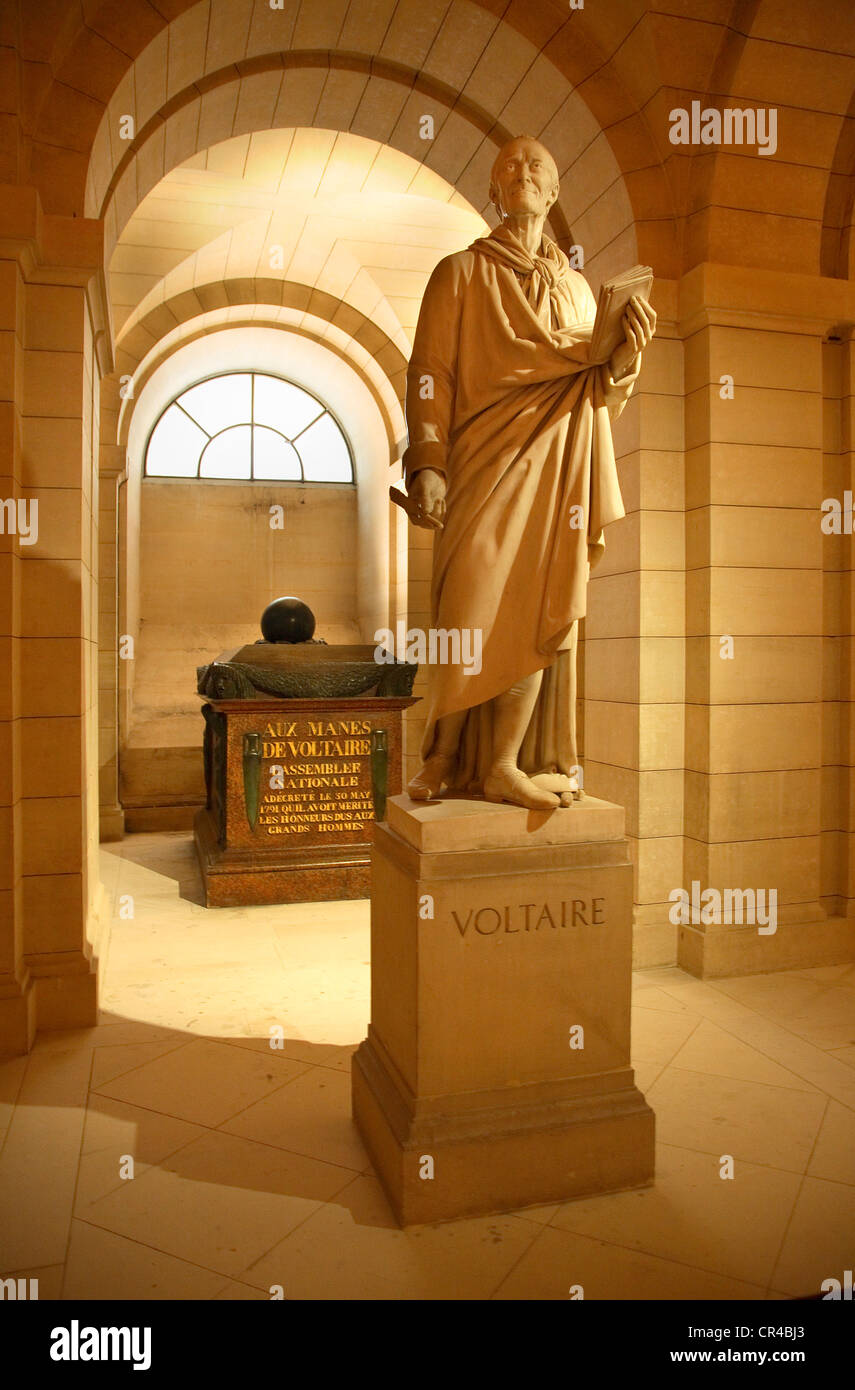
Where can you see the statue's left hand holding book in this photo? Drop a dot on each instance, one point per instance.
(607, 335)
(612, 303)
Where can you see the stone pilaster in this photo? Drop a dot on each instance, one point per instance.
(635, 643)
(17, 999)
(112, 474)
(51, 344)
(754, 613)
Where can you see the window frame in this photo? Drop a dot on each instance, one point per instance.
(252, 373)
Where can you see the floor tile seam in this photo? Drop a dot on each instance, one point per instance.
(327, 1201)
(230, 1280)
(639, 1250)
(806, 1042)
(652, 1009)
(185, 1042)
(849, 1105)
(13, 1104)
(166, 1114)
(823, 985)
(749, 1081)
(808, 1174)
(665, 1065)
(785, 1236)
(74, 1114)
(17, 1098)
(652, 1083)
(307, 1067)
(537, 1231)
(815, 1176)
(145, 1245)
(788, 1035)
(666, 1259)
(751, 1162)
(294, 1153)
(800, 1019)
(30, 1270)
(672, 1013)
(73, 1202)
(217, 1129)
(823, 988)
(122, 1184)
(286, 1056)
(99, 1027)
(668, 1063)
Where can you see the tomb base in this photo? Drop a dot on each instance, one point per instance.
(292, 787)
(496, 1071)
(236, 877)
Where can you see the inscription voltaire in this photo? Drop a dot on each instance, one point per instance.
(324, 776)
(512, 918)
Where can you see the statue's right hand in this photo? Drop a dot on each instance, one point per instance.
(427, 493)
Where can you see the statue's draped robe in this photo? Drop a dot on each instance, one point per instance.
(502, 401)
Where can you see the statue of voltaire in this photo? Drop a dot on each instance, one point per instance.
(508, 449)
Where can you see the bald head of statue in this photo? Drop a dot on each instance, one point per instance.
(524, 178)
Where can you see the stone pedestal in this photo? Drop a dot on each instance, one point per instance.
(497, 934)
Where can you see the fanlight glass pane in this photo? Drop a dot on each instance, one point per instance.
(324, 453)
(208, 431)
(273, 456)
(174, 446)
(228, 454)
(226, 400)
(284, 406)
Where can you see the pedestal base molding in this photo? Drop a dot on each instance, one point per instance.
(234, 877)
(717, 951)
(17, 1014)
(500, 1157)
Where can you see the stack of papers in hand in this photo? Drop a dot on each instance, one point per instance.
(615, 294)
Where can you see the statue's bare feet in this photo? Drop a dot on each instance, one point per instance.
(564, 785)
(429, 782)
(513, 786)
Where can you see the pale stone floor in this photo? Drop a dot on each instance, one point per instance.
(249, 1173)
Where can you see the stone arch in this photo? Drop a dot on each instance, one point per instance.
(806, 218)
(373, 94)
(336, 71)
(282, 91)
(430, 40)
(620, 66)
(141, 351)
(838, 214)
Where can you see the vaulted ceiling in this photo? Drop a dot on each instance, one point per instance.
(338, 212)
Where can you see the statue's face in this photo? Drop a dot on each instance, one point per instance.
(525, 178)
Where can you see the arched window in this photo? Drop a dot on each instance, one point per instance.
(248, 425)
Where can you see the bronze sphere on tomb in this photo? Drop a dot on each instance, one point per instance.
(287, 619)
